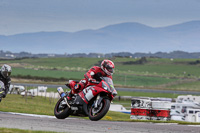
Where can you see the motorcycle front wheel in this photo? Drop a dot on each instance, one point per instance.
(96, 114)
(61, 110)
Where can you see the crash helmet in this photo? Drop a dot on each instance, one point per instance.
(108, 67)
(6, 71)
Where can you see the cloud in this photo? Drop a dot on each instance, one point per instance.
(72, 15)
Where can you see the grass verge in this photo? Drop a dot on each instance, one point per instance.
(13, 130)
(35, 105)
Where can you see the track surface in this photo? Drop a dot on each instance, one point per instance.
(76, 125)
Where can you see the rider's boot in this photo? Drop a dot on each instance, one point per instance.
(74, 90)
(69, 96)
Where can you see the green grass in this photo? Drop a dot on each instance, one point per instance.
(35, 105)
(147, 94)
(55, 62)
(156, 72)
(184, 86)
(48, 73)
(162, 67)
(14, 130)
(152, 67)
(168, 70)
(119, 79)
(142, 81)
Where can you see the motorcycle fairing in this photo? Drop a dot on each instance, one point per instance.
(81, 104)
(91, 91)
(82, 95)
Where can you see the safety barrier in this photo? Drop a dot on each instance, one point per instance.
(149, 109)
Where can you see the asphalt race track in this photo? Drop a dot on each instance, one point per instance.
(76, 125)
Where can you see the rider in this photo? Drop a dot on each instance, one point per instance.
(93, 75)
(5, 80)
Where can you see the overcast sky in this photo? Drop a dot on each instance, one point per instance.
(23, 16)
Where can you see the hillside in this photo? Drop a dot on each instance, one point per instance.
(124, 37)
(156, 73)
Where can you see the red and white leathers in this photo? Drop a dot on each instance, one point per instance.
(93, 74)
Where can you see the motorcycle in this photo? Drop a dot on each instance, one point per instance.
(93, 101)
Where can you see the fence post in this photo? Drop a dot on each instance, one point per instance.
(125, 79)
(53, 96)
(26, 94)
(50, 99)
(37, 91)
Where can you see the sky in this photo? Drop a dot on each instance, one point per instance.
(25, 16)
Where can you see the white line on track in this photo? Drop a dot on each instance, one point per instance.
(33, 115)
(166, 123)
(194, 125)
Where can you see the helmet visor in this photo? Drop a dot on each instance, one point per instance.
(6, 74)
(110, 69)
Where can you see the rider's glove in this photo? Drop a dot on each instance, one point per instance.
(2, 93)
(92, 80)
(76, 86)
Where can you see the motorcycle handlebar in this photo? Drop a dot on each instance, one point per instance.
(95, 82)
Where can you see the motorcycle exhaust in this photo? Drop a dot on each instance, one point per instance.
(63, 95)
(61, 92)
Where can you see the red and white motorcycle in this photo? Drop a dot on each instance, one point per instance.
(94, 101)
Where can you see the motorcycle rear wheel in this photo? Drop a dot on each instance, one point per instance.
(100, 112)
(61, 111)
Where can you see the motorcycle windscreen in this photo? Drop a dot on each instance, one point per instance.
(109, 81)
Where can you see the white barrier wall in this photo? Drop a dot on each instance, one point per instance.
(198, 117)
(150, 109)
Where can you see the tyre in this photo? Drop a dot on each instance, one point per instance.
(61, 110)
(96, 114)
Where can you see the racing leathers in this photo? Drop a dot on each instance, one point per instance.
(4, 86)
(92, 76)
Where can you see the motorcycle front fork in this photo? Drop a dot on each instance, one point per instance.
(96, 101)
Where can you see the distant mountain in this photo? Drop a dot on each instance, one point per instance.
(124, 37)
